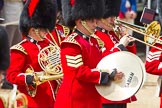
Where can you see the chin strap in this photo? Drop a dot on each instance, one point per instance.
(42, 37)
(84, 24)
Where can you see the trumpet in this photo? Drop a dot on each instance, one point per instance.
(151, 32)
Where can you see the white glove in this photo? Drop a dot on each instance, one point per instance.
(126, 39)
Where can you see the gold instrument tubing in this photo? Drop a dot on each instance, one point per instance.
(137, 29)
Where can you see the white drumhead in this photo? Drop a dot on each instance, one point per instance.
(144, 71)
(134, 72)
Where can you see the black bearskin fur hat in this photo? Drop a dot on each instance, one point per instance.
(112, 8)
(81, 9)
(159, 5)
(59, 5)
(38, 15)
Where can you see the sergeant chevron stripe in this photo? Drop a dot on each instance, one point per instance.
(153, 56)
(74, 61)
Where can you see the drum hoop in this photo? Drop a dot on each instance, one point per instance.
(141, 67)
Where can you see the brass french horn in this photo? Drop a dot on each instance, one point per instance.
(49, 61)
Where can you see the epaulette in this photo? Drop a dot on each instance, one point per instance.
(66, 30)
(100, 42)
(70, 39)
(19, 47)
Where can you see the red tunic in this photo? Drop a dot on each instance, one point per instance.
(1, 104)
(16, 74)
(27, 55)
(110, 39)
(79, 57)
(153, 64)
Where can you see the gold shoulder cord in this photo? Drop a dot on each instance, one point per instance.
(54, 39)
(66, 30)
(86, 27)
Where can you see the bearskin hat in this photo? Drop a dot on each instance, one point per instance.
(112, 8)
(59, 5)
(81, 9)
(159, 5)
(38, 14)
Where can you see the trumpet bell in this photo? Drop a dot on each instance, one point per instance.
(152, 32)
(134, 75)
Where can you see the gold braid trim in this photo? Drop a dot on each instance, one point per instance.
(52, 37)
(66, 30)
(100, 42)
(70, 39)
(19, 47)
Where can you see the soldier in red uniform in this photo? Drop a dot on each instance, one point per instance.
(153, 62)
(37, 18)
(153, 66)
(113, 43)
(105, 30)
(80, 54)
(60, 31)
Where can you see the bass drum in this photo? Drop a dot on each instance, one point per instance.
(8, 100)
(134, 75)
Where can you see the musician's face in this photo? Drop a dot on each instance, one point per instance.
(42, 33)
(38, 34)
(108, 23)
(110, 20)
(92, 24)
